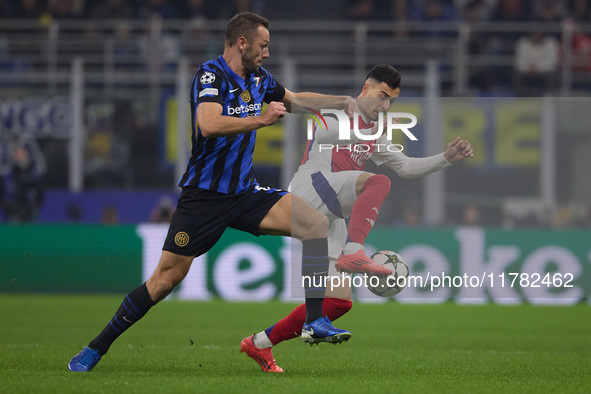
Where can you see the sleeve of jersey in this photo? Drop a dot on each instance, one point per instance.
(208, 87)
(410, 167)
(327, 132)
(275, 91)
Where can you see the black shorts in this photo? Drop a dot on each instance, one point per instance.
(202, 216)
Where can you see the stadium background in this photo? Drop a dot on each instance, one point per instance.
(90, 124)
(91, 91)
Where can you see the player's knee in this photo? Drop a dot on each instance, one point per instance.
(379, 182)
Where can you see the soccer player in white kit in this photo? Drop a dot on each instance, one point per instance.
(332, 179)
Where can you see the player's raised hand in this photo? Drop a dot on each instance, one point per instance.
(274, 111)
(351, 107)
(458, 150)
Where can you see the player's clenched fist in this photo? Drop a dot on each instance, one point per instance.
(274, 111)
(351, 107)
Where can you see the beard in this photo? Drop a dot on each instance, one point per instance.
(249, 62)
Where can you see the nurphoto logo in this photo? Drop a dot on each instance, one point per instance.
(344, 129)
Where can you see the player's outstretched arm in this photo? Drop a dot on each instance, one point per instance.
(458, 150)
(414, 167)
(213, 124)
(301, 101)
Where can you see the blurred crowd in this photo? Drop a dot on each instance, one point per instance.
(538, 55)
(471, 10)
(21, 184)
(123, 9)
(398, 10)
(112, 144)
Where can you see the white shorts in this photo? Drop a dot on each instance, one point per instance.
(333, 194)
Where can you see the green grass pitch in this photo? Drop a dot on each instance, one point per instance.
(188, 347)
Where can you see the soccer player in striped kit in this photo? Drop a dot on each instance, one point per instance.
(219, 190)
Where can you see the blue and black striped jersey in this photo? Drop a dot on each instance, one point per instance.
(224, 164)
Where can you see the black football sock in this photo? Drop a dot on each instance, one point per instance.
(134, 306)
(314, 274)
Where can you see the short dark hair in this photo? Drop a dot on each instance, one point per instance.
(385, 73)
(245, 25)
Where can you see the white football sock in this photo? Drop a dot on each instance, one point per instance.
(261, 340)
(352, 248)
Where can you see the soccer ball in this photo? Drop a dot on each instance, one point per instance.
(392, 284)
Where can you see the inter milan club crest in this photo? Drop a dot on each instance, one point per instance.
(181, 239)
(245, 96)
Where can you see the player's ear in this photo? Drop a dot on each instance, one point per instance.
(365, 89)
(242, 43)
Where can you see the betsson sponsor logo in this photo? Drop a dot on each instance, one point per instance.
(244, 109)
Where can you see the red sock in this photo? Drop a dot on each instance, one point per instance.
(365, 209)
(291, 325)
